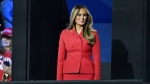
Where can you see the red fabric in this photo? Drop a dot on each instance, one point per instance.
(8, 58)
(10, 78)
(74, 55)
(1, 68)
(1, 74)
(8, 54)
(78, 76)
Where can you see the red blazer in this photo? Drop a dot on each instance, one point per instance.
(74, 55)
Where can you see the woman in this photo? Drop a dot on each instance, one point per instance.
(6, 41)
(76, 45)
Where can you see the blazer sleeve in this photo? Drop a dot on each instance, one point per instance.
(60, 58)
(96, 57)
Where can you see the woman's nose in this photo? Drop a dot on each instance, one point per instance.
(82, 17)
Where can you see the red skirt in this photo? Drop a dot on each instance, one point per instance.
(78, 76)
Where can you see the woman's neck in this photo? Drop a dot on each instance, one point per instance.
(7, 48)
(79, 29)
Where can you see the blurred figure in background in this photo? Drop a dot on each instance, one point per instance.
(6, 9)
(2, 55)
(6, 41)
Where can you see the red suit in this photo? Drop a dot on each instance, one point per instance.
(74, 55)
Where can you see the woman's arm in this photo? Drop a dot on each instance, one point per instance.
(61, 58)
(97, 57)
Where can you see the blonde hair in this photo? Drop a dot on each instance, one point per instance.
(88, 29)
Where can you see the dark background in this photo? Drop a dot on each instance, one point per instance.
(127, 39)
(36, 34)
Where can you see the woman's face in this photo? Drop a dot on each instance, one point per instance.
(81, 18)
(6, 41)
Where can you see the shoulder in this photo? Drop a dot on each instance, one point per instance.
(67, 30)
(63, 31)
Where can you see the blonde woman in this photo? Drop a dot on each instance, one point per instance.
(76, 45)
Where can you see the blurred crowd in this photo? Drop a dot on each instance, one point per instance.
(6, 15)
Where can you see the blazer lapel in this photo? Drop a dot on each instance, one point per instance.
(75, 34)
(81, 34)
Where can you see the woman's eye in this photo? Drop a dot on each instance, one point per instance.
(85, 15)
(79, 14)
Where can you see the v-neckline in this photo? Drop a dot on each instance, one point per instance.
(79, 31)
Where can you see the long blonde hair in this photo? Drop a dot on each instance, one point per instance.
(88, 29)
